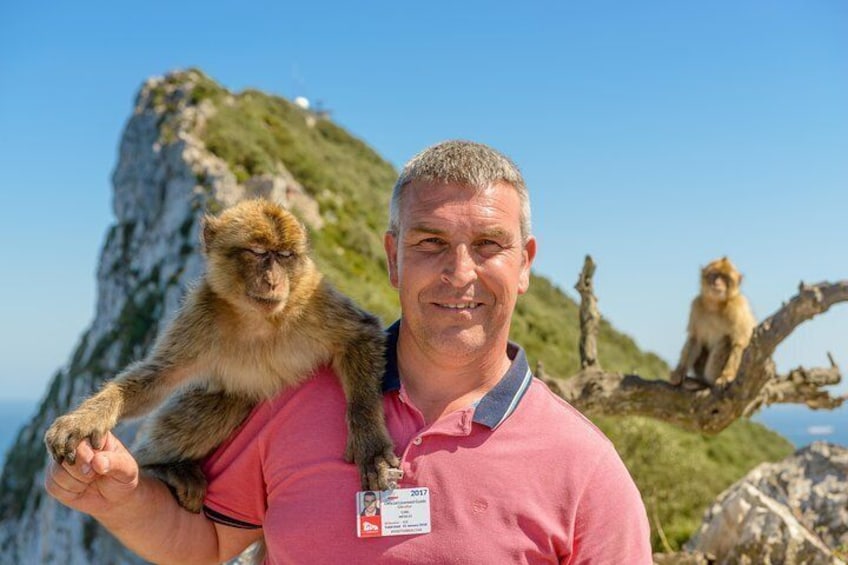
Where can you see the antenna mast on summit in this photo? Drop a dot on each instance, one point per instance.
(298, 83)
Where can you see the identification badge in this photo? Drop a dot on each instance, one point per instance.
(398, 512)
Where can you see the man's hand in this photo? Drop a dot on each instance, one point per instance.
(99, 480)
(140, 510)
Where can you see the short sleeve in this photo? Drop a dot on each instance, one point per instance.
(235, 494)
(611, 524)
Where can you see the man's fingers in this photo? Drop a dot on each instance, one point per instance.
(79, 471)
(98, 480)
(116, 465)
(113, 469)
(84, 452)
(112, 460)
(61, 484)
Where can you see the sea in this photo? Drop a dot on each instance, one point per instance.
(798, 424)
(13, 415)
(802, 426)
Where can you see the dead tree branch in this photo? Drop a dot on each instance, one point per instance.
(700, 408)
(590, 318)
(803, 386)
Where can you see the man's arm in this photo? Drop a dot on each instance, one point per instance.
(140, 510)
(611, 525)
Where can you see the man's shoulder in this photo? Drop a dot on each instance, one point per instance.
(321, 391)
(559, 417)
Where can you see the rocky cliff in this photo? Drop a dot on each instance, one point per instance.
(793, 511)
(149, 257)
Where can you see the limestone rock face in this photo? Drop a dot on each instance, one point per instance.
(793, 511)
(164, 181)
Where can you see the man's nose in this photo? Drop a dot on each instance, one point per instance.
(460, 268)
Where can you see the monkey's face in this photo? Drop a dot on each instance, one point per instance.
(255, 251)
(720, 280)
(265, 272)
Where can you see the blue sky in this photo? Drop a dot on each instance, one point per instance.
(654, 135)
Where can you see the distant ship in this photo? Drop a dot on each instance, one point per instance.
(820, 430)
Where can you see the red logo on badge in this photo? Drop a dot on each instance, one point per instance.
(370, 527)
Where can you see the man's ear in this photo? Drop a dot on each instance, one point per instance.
(529, 254)
(390, 244)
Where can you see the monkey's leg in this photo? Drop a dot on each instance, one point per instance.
(134, 392)
(360, 367)
(691, 351)
(700, 363)
(185, 430)
(716, 362)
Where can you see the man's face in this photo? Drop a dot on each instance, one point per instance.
(459, 264)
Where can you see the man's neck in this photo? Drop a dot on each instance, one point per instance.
(439, 386)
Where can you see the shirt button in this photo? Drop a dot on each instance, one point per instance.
(417, 441)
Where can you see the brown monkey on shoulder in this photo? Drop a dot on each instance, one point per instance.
(261, 319)
(720, 327)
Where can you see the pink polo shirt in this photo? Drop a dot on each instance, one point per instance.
(521, 477)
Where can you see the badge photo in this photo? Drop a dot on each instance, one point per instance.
(369, 521)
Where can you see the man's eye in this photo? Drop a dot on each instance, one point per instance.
(431, 242)
(489, 245)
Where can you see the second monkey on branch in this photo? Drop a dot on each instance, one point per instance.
(720, 327)
(262, 319)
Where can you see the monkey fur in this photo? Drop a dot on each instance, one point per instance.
(720, 327)
(261, 319)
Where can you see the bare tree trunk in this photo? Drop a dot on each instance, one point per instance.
(590, 317)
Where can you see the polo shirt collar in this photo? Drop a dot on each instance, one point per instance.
(497, 405)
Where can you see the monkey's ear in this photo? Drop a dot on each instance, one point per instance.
(209, 230)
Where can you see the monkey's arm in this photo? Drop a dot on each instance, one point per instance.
(731, 366)
(136, 390)
(742, 323)
(360, 363)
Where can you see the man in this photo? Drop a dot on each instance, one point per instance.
(510, 472)
(370, 506)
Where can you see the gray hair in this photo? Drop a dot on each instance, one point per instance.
(464, 163)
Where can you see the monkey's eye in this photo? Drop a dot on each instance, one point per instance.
(258, 250)
(285, 254)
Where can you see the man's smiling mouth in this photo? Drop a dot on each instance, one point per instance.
(461, 306)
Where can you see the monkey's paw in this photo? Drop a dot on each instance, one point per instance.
(676, 377)
(725, 379)
(379, 467)
(185, 480)
(68, 431)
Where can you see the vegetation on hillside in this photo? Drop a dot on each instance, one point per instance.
(679, 473)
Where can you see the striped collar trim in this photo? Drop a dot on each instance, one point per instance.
(497, 405)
